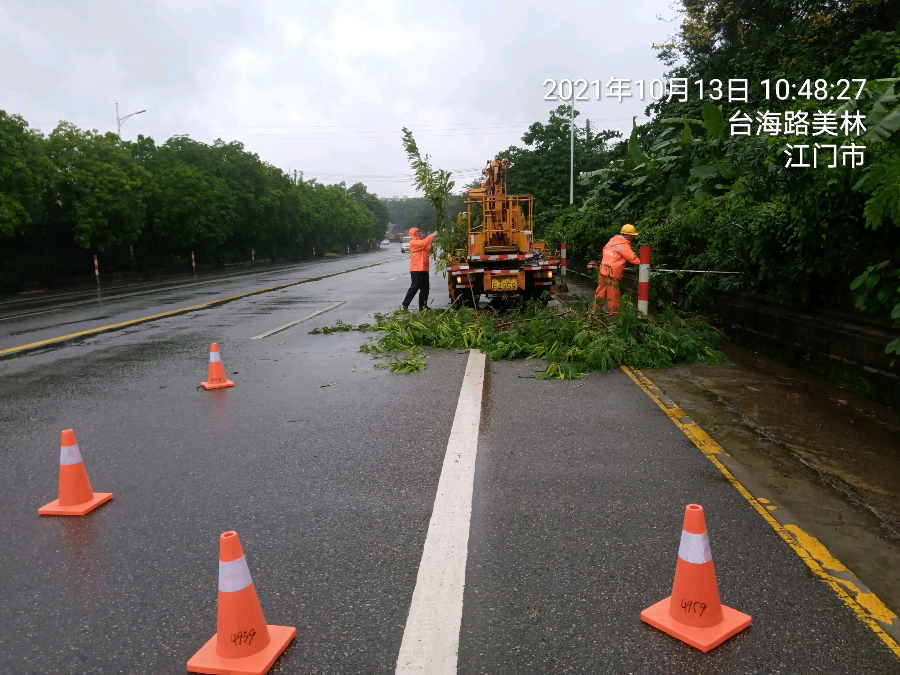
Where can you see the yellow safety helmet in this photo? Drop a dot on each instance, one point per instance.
(628, 229)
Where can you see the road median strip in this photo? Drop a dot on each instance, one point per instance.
(866, 606)
(131, 322)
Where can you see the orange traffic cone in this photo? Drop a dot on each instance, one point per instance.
(75, 495)
(694, 613)
(243, 643)
(217, 379)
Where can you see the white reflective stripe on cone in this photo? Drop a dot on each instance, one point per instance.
(69, 454)
(234, 575)
(214, 357)
(694, 548)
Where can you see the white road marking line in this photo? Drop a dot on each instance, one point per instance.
(301, 320)
(431, 638)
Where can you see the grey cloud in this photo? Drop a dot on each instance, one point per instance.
(322, 87)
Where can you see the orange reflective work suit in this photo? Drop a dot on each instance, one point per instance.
(615, 254)
(418, 253)
(418, 271)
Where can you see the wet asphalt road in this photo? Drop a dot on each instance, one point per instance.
(577, 507)
(30, 320)
(582, 519)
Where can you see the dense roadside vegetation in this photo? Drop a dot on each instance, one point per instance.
(822, 238)
(73, 193)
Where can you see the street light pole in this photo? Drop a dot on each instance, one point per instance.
(121, 120)
(572, 150)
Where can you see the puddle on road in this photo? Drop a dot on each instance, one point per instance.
(831, 457)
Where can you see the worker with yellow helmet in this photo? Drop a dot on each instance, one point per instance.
(612, 266)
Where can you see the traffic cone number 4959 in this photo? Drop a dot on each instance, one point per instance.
(239, 638)
(687, 605)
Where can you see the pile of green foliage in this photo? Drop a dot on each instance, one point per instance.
(339, 327)
(73, 193)
(572, 339)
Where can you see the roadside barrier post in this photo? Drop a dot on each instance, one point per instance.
(314, 251)
(96, 270)
(348, 249)
(252, 257)
(193, 264)
(562, 265)
(644, 281)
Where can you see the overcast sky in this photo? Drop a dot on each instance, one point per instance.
(324, 87)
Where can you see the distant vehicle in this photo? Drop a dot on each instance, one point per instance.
(404, 245)
(385, 242)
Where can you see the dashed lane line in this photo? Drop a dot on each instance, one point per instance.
(865, 605)
(300, 320)
(431, 638)
(131, 322)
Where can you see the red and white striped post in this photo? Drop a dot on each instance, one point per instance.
(644, 281)
(193, 263)
(562, 265)
(348, 249)
(357, 248)
(252, 256)
(314, 251)
(96, 270)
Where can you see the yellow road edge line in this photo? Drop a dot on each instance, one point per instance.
(812, 563)
(111, 326)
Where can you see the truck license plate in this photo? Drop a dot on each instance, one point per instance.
(504, 284)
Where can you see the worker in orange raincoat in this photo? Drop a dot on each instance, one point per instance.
(612, 266)
(419, 248)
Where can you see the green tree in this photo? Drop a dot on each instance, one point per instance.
(541, 169)
(438, 190)
(360, 194)
(98, 191)
(190, 207)
(412, 212)
(24, 172)
(78, 189)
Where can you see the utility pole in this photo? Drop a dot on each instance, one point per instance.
(572, 150)
(121, 120)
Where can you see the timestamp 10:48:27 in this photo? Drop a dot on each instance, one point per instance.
(821, 90)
